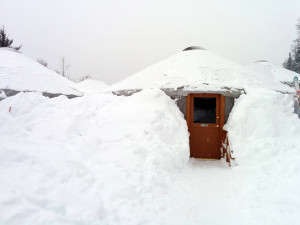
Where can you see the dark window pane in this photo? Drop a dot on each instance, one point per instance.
(204, 110)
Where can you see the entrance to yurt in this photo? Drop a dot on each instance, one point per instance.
(205, 119)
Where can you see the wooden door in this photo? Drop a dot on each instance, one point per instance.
(204, 122)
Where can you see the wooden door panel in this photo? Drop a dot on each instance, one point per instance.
(204, 143)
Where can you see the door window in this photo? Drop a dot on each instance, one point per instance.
(204, 110)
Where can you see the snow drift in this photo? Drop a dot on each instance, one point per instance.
(20, 73)
(263, 117)
(265, 136)
(104, 159)
(89, 160)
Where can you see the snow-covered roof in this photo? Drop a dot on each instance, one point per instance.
(91, 85)
(20, 73)
(277, 72)
(196, 69)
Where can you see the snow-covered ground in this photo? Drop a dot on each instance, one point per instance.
(106, 159)
(20, 73)
(91, 85)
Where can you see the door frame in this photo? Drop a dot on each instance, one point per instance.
(220, 106)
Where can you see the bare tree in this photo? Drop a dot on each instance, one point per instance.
(42, 62)
(63, 67)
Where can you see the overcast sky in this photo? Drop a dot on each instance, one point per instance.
(110, 40)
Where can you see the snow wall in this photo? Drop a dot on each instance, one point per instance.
(263, 126)
(88, 160)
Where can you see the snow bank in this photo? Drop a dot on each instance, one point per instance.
(261, 124)
(265, 138)
(104, 159)
(20, 73)
(98, 159)
(91, 85)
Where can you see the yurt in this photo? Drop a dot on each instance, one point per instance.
(282, 75)
(20, 73)
(277, 72)
(204, 86)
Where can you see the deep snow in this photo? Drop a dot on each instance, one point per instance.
(20, 73)
(104, 159)
(96, 159)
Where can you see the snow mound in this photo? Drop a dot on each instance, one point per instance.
(273, 71)
(91, 85)
(198, 70)
(262, 125)
(88, 160)
(20, 73)
(265, 138)
(106, 159)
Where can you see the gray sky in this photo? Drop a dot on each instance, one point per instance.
(110, 40)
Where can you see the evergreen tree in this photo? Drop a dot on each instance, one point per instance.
(296, 51)
(5, 41)
(289, 63)
(293, 62)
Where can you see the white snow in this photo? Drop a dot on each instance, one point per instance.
(20, 73)
(198, 70)
(277, 72)
(104, 159)
(88, 160)
(90, 85)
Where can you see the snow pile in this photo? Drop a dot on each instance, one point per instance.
(97, 159)
(104, 159)
(273, 71)
(198, 70)
(20, 73)
(262, 117)
(91, 85)
(265, 137)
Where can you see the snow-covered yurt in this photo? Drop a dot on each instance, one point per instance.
(277, 72)
(19, 73)
(280, 74)
(91, 85)
(204, 86)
